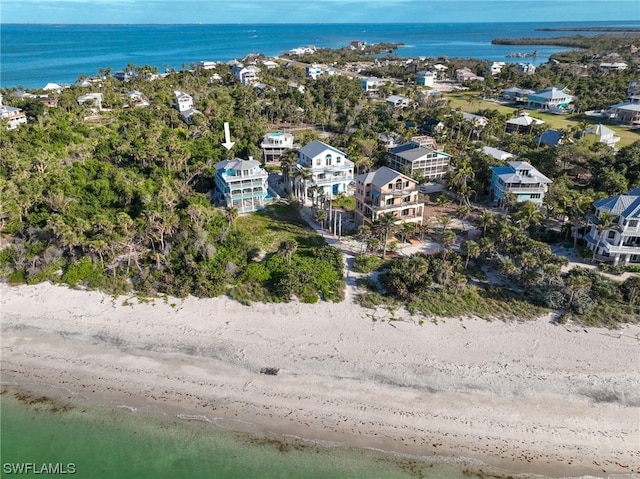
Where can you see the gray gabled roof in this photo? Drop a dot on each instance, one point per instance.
(381, 177)
(236, 164)
(411, 151)
(317, 147)
(509, 174)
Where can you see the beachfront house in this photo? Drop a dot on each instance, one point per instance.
(274, 145)
(600, 134)
(11, 116)
(619, 243)
(520, 179)
(387, 191)
(554, 99)
(417, 160)
(330, 169)
(241, 184)
(523, 123)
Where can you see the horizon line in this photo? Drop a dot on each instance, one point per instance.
(313, 23)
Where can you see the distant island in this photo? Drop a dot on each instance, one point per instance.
(601, 42)
(588, 29)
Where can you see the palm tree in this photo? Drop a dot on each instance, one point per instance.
(305, 176)
(320, 216)
(364, 233)
(385, 224)
(578, 207)
(231, 213)
(444, 222)
(442, 201)
(605, 221)
(470, 249)
(486, 220)
(447, 239)
(527, 215)
(463, 212)
(461, 176)
(287, 248)
(287, 160)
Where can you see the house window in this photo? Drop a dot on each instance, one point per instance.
(338, 160)
(633, 223)
(611, 235)
(406, 199)
(405, 212)
(390, 186)
(389, 201)
(328, 158)
(399, 185)
(535, 196)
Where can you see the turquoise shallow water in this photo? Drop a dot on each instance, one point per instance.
(33, 55)
(105, 443)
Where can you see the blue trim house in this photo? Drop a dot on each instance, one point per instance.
(519, 178)
(241, 184)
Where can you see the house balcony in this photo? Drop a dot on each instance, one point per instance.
(522, 189)
(624, 248)
(332, 180)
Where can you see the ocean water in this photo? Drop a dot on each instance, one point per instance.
(33, 55)
(112, 443)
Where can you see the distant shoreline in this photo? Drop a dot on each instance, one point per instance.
(590, 29)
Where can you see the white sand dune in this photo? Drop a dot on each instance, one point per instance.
(524, 396)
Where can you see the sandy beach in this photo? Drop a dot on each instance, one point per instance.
(528, 397)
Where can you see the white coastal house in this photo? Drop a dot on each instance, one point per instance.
(372, 84)
(330, 169)
(246, 75)
(600, 134)
(496, 153)
(92, 99)
(275, 144)
(496, 68)
(11, 116)
(426, 78)
(620, 242)
(397, 101)
(523, 123)
(520, 179)
(241, 184)
(184, 104)
(387, 191)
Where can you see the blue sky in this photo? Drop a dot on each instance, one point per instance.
(314, 11)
